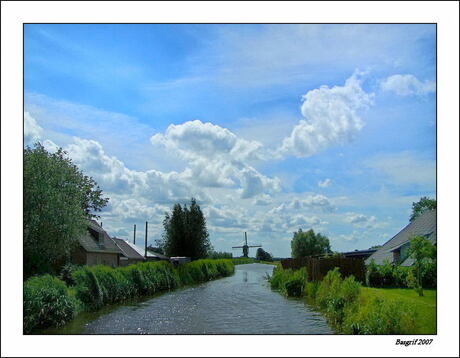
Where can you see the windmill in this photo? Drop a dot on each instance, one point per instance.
(245, 247)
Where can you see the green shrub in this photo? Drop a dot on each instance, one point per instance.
(66, 273)
(381, 317)
(88, 289)
(47, 302)
(373, 275)
(294, 287)
(311, 289)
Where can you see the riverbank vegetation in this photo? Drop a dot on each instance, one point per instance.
(49, 302)
(353, 309)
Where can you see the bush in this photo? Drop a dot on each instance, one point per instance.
(290, 282)
(47, 302)
(66, 273)
(381, 317)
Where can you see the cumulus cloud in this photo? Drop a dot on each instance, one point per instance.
(207, 139)
(263, 200)
(115, 177)
(32, 130)
(407, 85)
(325, 183)
(216, 157)
(311, 202)
(360, 220)
(331, 118)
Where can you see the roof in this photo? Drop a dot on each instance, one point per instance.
(423, 225)
(359, 252)
(90, 243)
(127, 250)
(141, 251)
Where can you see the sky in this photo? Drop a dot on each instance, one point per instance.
(271, 128)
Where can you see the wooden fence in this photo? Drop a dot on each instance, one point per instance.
(317, 268)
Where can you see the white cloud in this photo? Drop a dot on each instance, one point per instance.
(216, 157)
(331, 118)
(360, 220)
(32, 131)
(263, 200)
(405, 168)
(325, 183)
(406, 85)
(310, 202)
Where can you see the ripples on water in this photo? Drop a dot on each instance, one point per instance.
(239, 304)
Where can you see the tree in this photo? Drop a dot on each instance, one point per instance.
(58, 200)
(424, 204)
(421, 250)
(308, 243)
(263, 255)
(185, 232)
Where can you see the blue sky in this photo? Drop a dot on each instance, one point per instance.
(271, 127)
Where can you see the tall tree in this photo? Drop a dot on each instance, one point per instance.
(308, 243)
(424, 204)
(261, 254)
(58, 200)
(185, 232)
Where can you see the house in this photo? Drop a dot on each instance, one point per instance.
(130, 255)
(396, 249)
(96, 247)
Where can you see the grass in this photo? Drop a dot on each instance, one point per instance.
(425, 306)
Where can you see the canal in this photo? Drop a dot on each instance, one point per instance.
(239, 304)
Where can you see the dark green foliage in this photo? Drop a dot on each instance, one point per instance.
(386, 275)
(58, 199)
(101, 285)
(47, 302)
(66, 273)
(308, 243)
(263, 255)
(220, 255)
(289, 282)
(424, 204)
(185, 232)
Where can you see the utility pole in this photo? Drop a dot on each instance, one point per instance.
(134, 234)
(146, 228)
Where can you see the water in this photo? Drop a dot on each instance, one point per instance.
(239, 304)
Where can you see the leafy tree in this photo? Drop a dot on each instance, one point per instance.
(308, 243)
(421, 250)
(424, 204)
(58, 200)
(185, 232)
(263, 255)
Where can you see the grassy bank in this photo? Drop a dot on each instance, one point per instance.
(353, 309)
(49, 302)
(425, 306)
